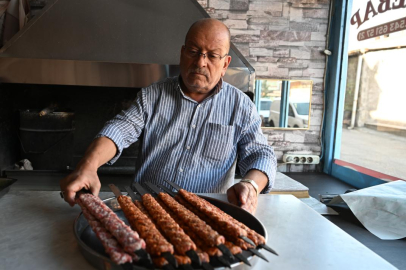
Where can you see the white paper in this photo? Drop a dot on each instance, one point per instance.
(381, 209)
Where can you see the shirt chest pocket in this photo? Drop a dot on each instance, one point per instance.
(219, 141)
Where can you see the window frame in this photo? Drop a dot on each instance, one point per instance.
(335, 86)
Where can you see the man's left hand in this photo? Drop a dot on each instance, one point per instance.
(244, 195)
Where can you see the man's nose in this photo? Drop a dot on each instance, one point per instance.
(201, 60)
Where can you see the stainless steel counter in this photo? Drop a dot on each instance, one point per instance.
(36, 232)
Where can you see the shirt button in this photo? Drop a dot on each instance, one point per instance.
(198, 106)
(188, 147)
(180, 169)
(194, 126)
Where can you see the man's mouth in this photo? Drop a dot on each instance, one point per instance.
(197, 72)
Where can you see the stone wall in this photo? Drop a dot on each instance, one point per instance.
(282, 39)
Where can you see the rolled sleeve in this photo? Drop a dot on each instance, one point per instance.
(255, 153)
(125, 128)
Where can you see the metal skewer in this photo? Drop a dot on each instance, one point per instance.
(246, 239)
(190, 253)
(168, 256)
(145, 258)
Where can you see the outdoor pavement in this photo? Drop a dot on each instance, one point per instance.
(375, 150)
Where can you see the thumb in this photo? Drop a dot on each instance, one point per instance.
(70, 192)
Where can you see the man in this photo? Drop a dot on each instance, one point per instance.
(192, 127)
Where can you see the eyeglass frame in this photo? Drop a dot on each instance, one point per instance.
(198, 54)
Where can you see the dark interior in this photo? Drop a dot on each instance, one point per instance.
(91, 106)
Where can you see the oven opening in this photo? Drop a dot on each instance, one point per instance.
(45, 130)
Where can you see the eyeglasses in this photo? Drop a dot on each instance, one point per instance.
(211, 57)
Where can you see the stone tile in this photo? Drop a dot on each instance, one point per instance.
(281, 53)
(314, 72)
(241, 5)
(315, 13)
(210, 10)
(311, 137)
(258, 27)
(292, 65)
(236, 16)
(317, 99)
(285, 10)
(292, 44)
(315, 121)
(275, 136)
(308, 3)
(260, 68)
(274, 13)
(220, 4)
(236, 24)
(270, 21)
(244, 38)
(286, 36)
(303, 26)
(320, 36)
(300, 54)
(287, 60)
(244, 32)
(217, 15)
(243, 48)
(296, 136)
(314, 128)
(265, 44)
(261, 52)
(317, 54)
(295, 73)
(282, 145)
(317, 64)
(280, 73)
(267, 59)
(295, 14)
(318, 86)
(317, 44)
(266, 6)
(323, 28)
(263, 74)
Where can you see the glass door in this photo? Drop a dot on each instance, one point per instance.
(365, 126)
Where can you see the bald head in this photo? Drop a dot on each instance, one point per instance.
(210, 25)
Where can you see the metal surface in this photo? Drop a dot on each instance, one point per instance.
(93, 251)
(304, 239)
(107, 43)
(5, 184)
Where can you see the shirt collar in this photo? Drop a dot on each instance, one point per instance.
(217, 88)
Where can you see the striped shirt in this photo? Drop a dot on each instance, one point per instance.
(192, 144)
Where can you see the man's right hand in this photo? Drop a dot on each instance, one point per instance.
(85, 176)
(78, 180)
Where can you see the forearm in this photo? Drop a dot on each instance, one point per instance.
(98, 153)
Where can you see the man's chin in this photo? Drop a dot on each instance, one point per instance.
(197, 86)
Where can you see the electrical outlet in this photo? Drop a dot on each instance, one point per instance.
(301, 159)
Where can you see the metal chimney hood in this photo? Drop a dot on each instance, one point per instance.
(122, 43)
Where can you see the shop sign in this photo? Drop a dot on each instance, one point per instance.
(373, 10)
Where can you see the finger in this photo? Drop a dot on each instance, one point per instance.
(244, 193)
(232, 196)
(251, 201)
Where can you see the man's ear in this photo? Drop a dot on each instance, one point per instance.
(227, 62)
